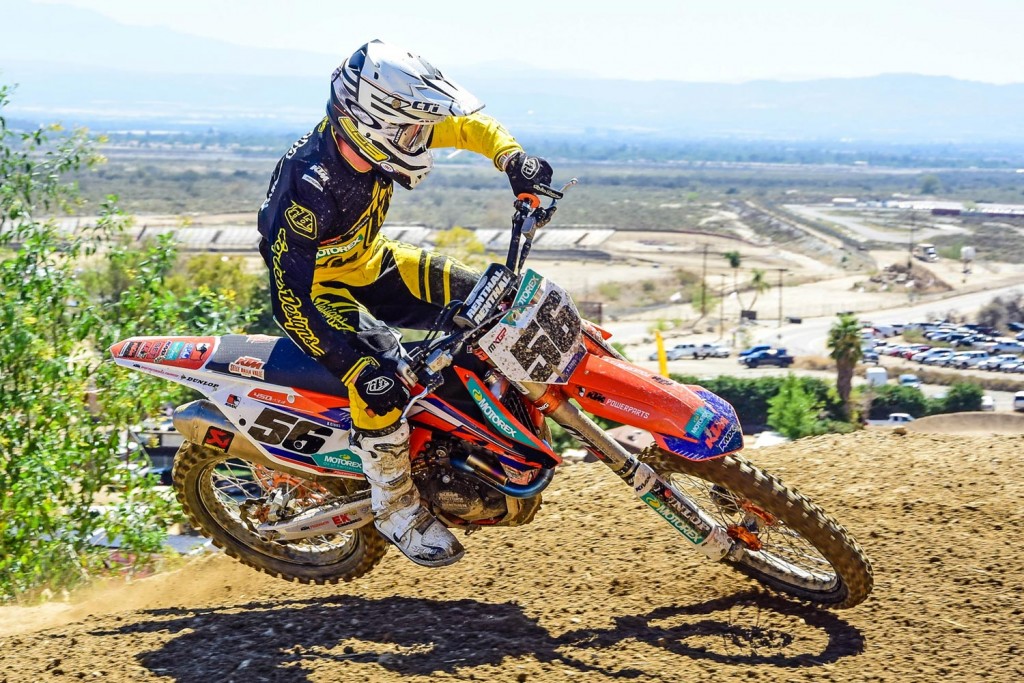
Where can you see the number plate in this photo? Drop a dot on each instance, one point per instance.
(540, 343)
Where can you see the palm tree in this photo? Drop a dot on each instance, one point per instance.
(759, 283)
(845, 343)
(733, 257)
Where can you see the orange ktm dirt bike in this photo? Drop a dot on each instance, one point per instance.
(266, 472)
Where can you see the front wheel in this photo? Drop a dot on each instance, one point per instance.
(788, 543)
(228, 497)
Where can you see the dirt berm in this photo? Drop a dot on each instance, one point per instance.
(969, 423)
(598, 589)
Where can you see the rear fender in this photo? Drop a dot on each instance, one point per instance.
(687, 420)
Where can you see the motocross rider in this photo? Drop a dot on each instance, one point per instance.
(337, 283)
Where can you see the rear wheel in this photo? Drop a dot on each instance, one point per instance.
(790, 544)
(228, 497)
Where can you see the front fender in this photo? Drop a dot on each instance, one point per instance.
(687, 420)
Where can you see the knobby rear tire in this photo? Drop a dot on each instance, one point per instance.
(853, 574)
(193, 484)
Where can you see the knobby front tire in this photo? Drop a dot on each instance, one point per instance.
(804, 551)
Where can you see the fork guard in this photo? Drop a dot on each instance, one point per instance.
(687, 420)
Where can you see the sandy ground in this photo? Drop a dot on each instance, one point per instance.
(599, 589)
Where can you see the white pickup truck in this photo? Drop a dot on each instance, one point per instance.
(894, 420)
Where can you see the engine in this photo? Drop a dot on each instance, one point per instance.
(456, 494)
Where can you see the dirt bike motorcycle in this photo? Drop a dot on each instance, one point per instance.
(265, 470)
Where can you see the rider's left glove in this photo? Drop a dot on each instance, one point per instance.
(381, 386)
(527, 174)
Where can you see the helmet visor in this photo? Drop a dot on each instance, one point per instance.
(411, 137)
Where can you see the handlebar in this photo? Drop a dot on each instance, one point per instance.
(425, 367)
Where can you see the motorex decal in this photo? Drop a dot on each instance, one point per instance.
(494, 414)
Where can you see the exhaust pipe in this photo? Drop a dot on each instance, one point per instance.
(195, 421)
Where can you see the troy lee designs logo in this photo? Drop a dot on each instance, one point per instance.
(291, 305)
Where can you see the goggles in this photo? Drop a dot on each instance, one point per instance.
(411, 137)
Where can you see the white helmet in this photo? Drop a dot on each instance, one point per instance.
(384, 101)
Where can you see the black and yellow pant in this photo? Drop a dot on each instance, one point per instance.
(392, 284)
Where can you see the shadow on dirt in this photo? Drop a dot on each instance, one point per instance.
(277, 641)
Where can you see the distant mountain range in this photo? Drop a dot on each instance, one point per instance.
(135, 77)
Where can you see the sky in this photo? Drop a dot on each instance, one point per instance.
(727, 41)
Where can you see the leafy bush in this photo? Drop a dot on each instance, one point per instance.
(751, 396)
(892, 398)
(793, 412)
(64, 412)
(962, 397)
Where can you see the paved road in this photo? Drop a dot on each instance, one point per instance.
(809, 337)
(862, 232)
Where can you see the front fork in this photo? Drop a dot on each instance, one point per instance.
(707, 535)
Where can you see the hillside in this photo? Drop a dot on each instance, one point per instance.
(583, 595)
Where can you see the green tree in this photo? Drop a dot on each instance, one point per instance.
(462, 244)
(793, 412)
(759, 283)
(64, 412)
(962, 397)
(893, 398)
(930, 184)
(844, 343)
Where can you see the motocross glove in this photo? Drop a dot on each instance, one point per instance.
(380, 385)
(529, 175)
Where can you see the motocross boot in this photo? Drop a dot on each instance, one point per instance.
(397, 511)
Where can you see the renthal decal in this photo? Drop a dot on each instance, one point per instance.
(247, 366)
(632, 410)
(301, 220)
(680, 525)
(213, 386)
(493, 290)
(291, 305)
(696, 425)
(218, 438)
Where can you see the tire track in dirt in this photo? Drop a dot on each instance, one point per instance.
(599, 589)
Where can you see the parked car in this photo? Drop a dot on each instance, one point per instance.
(988, 403)
(876, 377)
(868, 355)
(913, 349)
(1007, 346)
(684, 351)
(939, 357)
(1018, 402)
(966, 359)
(715, 350)
(993, 362)
(1009, 366)
(777, 357)
(753, 349)
(894, 420)
(909, 380)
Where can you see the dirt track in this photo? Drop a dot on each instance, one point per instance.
(581, 596)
